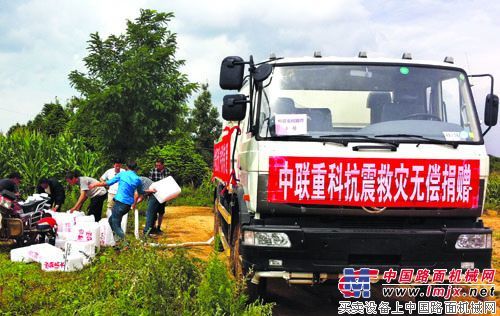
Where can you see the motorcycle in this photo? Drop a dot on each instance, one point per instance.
(23, 223)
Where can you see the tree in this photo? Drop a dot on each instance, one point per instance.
(133, 93)
(51, 120)
(14, 128)
(205, 123)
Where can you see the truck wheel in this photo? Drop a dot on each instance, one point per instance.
(217, 238)
(236, 266)
(254, 291)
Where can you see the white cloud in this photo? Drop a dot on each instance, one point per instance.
(43, 40)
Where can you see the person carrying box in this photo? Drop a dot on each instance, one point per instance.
(128, 182)
(159, 172)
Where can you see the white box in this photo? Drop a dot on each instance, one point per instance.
(62, 263)
(55, 263)
(20, 254)
(85, 249)
(74, 263)
(64, 236)
(61, 243)
(166, 189)
(41, 252)
(87, 231)
(84, 219)
(66, 221)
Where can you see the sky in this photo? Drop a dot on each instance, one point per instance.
(42, 41)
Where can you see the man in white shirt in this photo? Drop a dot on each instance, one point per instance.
(108, 175)
(97, 195)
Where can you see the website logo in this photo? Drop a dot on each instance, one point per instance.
(356, 283)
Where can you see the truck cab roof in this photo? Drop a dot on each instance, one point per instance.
(374, 60)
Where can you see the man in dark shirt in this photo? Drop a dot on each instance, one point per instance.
(158, 173)
(55, 190)
(11, 183)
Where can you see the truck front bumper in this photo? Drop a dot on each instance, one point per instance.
(330, 250)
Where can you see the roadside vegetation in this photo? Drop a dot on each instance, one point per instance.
(137, 281)
(493, 190)
(132, 103)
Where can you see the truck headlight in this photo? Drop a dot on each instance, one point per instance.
(266, 239)
(473, 241)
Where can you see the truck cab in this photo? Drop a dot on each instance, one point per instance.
(328, 163)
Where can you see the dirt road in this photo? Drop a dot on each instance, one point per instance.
(188, 224)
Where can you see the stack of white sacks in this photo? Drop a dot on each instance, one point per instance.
(79, 237)
(78, 240)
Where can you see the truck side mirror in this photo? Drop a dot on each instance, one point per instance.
(491, 110)
(231, 73)
(234, 107)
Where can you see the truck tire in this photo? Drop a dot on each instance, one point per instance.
(217, 238)
(236, 266)
(254, 291)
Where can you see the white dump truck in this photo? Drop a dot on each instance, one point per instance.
(327, 163)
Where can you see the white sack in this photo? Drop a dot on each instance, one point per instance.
(107, 238)
(124, 223)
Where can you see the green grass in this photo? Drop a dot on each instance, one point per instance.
(493, 193)
(137, 281)
(191, 196)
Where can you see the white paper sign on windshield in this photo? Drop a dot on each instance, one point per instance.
(291, 124)
(452, 136)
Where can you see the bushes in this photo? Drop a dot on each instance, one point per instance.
(188, 168)
(200, 196)
(493, 192)
(138, 281)
(36, 155)
(218, 292)
(494, 164)
(182, 159)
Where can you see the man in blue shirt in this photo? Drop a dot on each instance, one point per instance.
(128, 182)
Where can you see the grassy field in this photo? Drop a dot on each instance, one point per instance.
(194, 281)
(141, 280)
(492, 220)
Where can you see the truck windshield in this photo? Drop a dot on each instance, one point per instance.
(406, 103)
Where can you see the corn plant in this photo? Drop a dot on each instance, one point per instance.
(493, 193)
(35, 156)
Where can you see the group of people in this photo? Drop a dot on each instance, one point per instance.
(122, 187)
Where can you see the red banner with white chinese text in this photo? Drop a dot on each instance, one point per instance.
(378, 182)
(222, 156)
